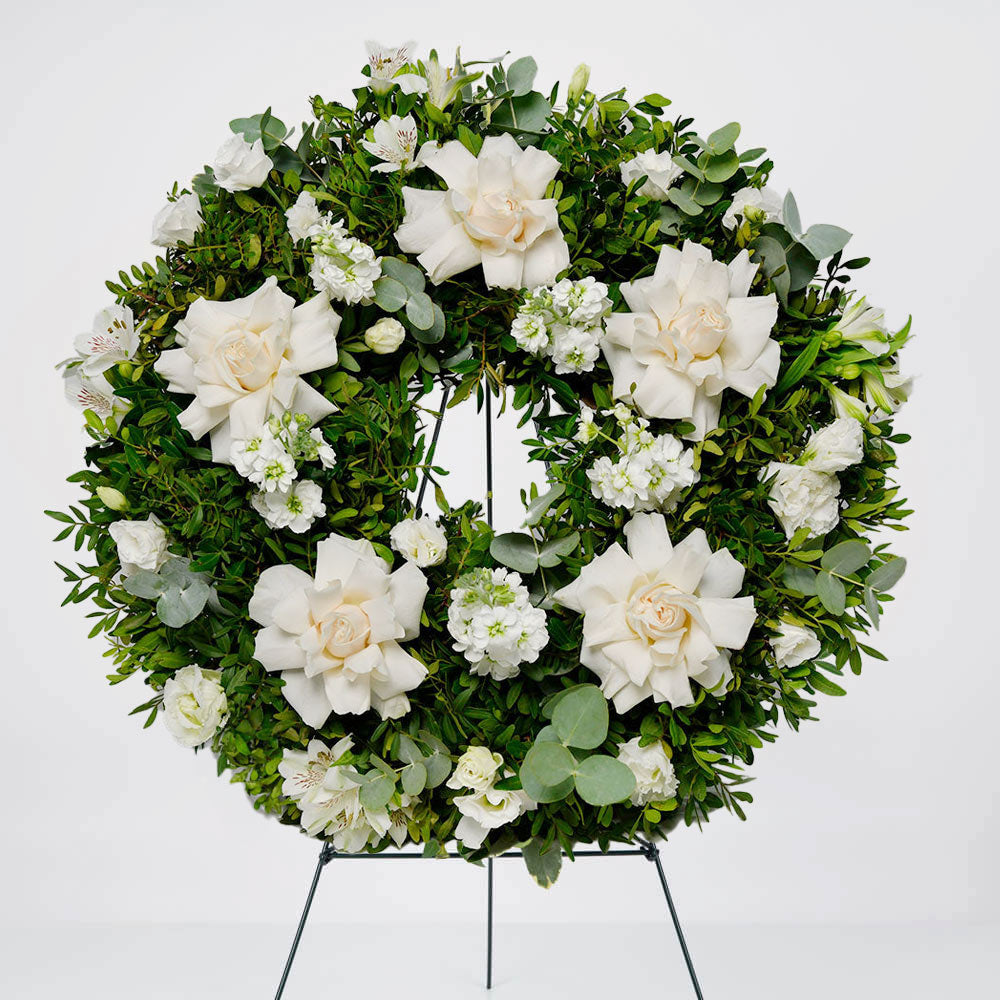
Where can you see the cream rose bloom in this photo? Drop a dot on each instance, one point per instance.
(421, 542)
(794, 644)
(803, 498)
(693, 332)
(178, 221)
(659, 170)
(240, 165)
(242, 360)
(655, 780)
(335, 637)
(194, 705)
(141, 544)
(385, 335)
(660, 615)
(477, 769)
(494, 213)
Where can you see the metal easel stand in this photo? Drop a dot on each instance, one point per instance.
(644, 849)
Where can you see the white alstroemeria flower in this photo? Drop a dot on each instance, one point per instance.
(493, 214)
(794, 644)
(846, 406)
(141, 544)
(295, 507)
(660, 615)
(240, 165)
(95, 393)
(386, 64)
(693, 332)
(385, 335)
(395, 142)
(835, 447)
(335, 638)
(655, 780)
(885, 391)
(242, 360)
(485, 811)
(754, 204)
(864, 325)
(421, 542)
(178, 221)
(112, 339)
(803, 498)
(302, 216)
(659, 170)
(194, 705)
(477, 769)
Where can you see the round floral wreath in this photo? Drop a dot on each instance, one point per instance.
(712, 405)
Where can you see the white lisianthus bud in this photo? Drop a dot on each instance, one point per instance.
(194, 705)
(240, 165)
(385, 335)
(835, 447)
(111, 498)
(476, 769)
(655, 780)
(178, 221)
(141, 544)
(422, 542)
(794, 644)
(578, 83)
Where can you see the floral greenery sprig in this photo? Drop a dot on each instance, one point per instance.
(699, 381)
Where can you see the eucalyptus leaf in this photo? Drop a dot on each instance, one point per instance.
(800, 578)
(831, 593)
(420, 310)
(847, 557)
(144, 583)
(581, 718)
(871, 606)
(886, 576)
(438, 767)
(521, 75)
(413, 778)
(405, 273)
(790, 215)
(390, 295)
(723, 139)
(515, 550)
(541, 504)
(543, 866)
(377, 792)
(602, 781)
(824, 241)
(720, 168)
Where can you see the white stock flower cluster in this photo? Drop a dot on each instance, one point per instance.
(494, 624)
(343, 267)
(652, 470)
(806, 493)
(564, 322)
(269, 460)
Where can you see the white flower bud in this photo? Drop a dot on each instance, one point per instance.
(578, 83)
(385, 335)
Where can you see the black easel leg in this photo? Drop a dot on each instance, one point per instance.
(325, 854)
(653, 854)
(489, 923)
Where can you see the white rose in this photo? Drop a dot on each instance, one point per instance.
(753, 203)
(240, 165)
(194, 705)
(302, 216)
(794, 644)
(178, 221)
(141, 544)
(476, 769)
(487, 811)
(658, 168)
(385, 335)
(420, 542)
(835, 447)
(655, 780)
(801, 497)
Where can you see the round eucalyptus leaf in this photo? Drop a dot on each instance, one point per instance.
(602, 780)
(420, 311)
(390, 294)
(581, 718)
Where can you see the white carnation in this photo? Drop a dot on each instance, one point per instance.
(240, 165)
(794, 644)
(295, 508)
(658, 168)
(801, 498)
(421, 542)
(194, 705)
(141, 544)
(302, 216)
(655, 780)
(178, 221)
(835, 447)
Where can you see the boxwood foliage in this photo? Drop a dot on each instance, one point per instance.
(381, 431)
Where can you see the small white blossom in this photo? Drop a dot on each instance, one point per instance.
(421, 542)
(194, 705)
(794, 644)
(141, 544)
(658, 168)
(386, 63)
(671, 471)
(575, 349)
(178, 221)
(655, 780)
(580, 303)
(343, 267)
(302, 217)
(111, 339)
(275, 472)
(586, 429)
(485, 811)
(624, 483)
(757, 205)
(240, 165)
(530, 333)
(385, 335)
(835, 447)
(885, 391)
(394, 142)
(802, 498)
(846, 406)
(325, 454)
(295, 507)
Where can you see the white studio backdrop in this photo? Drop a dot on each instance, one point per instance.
(880, 117)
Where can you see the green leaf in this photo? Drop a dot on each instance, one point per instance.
(846, 557)
(824, 685)
(547, 772)
(405, 273)
(263, 126)
(408, 751)
(144, 583)
(414, 778)
(377, 792)
(420, 311)
(720, 168)
(556, 549)
(435, 332)
(523, 114)
(790, 214)
(438, 767)
(800, 578)
(601, 780)
(177, 607)
(541, 504)
(801, 365)
(824, 241)
(543, 866)
(390, 294)
(723, 139)
(581, 718)
(831, 593)
(871, 606)
(521, 75)
(886, 576)
(684, 202)
(515, 550)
